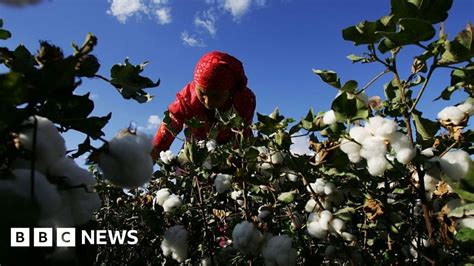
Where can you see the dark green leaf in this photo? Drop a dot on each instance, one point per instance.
(366, 32)
(411, 31)
(82, 148)
(465, 234)
(460, 49)
(350, 86)
(330, 77)
(425, 129)
(4, 34)
(433, 11)
(349, 107)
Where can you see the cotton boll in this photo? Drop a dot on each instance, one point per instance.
(278, 251)
(310, 206)
(315, 230)
(404, 156)
(399, 141)
(374, 123)
(387, 128)
(359, 133)
(456, 164)
(329, 188)
(325, 215)
(329, 118)
(373, 147)
(78, 194)
(428, 152)
(211, 145)
(167, 157)
(171, 203)
(452, 114)
(336, 226)
(354, 157)
(175, 243)
(246, 238)
(235, 195)
(350, 147)
(467, 108)
(377, 166)
(348, 237)
(16, 200)
(50, 145)
(127, 162)
(222, 182)
(161, 196)
(313, 217)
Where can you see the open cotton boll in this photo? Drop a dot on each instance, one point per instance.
(377, 166)
(171, 203)
(50, 144)
(16, 200)
(310, 206)
(246, 238)
(329, 188)
(127, 162)
(315, 230)
(359, 134)
(374, 123)
(175, 243)
(452, 114)
(279, 252)
(349, 147)
(161, 196)
(211, 145)
(373, 147)
(222, 182)
(167, 157)
(354, 157)
(405, 155)
(82, 199)
(329, 118)
(336, 226)
(387, 128)
(456, 164)
(467, 108)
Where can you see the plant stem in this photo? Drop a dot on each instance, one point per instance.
(420, 93)
(424, 204)
(373, 80)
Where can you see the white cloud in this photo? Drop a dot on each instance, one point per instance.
(191, 40)
(300, 146)
(206, 20)
(164, 15)
(153, 123)
(237, 7)
(123, 9)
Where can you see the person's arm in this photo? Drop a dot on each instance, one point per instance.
(164, 137)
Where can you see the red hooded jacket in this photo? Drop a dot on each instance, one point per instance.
(214, 70)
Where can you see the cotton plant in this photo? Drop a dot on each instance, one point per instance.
(321, 224)
(222, 182)
(175, 243)
(170, 202)
(278, 251)
(50, 145)
(456, 115)
(125, 160)
(456, 164)
(16, 196)
(327, 193)
(246, 238)
(369, 142)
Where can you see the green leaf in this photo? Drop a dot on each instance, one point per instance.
(126, 77)
(92, 126)
(425, 129)
(460, 49)
(465, 234)
(355, 58)
(460, 78)
(330, 77)
(366, 32)
(4, 34)
(70, 108)
(349, 107)
(411, 31)
(82, 148)
(433, 11)
(287, 197)
(465, 210)
(350, 86)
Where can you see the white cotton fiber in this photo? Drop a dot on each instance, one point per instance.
(373, 147)
(387, 128)
(175, 243)
(452, 114)
(359, 133)
(50, 145)
(329, 118)
(310, 206)
(162, 195)
(374, 123)
(456, 164)
(349, 147)
(167, 157)
(246, 238)
(336, 226)
(377, 165)
(81, 199)
(315, 230)
(278, 251)
(223, 182)
(127, 162)
(354, 157)
(405, 155)
(171, 203)
(467, 108)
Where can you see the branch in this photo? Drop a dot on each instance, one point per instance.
(420, 93)
(374, 79)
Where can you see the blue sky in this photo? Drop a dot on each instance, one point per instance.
(279, 42)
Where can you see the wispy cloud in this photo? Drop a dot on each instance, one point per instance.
(164, 15)
(191, 40)
(153, 123)
(206, 20)
(237, 7)
(123, 9)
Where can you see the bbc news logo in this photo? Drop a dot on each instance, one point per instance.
(66, 237)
